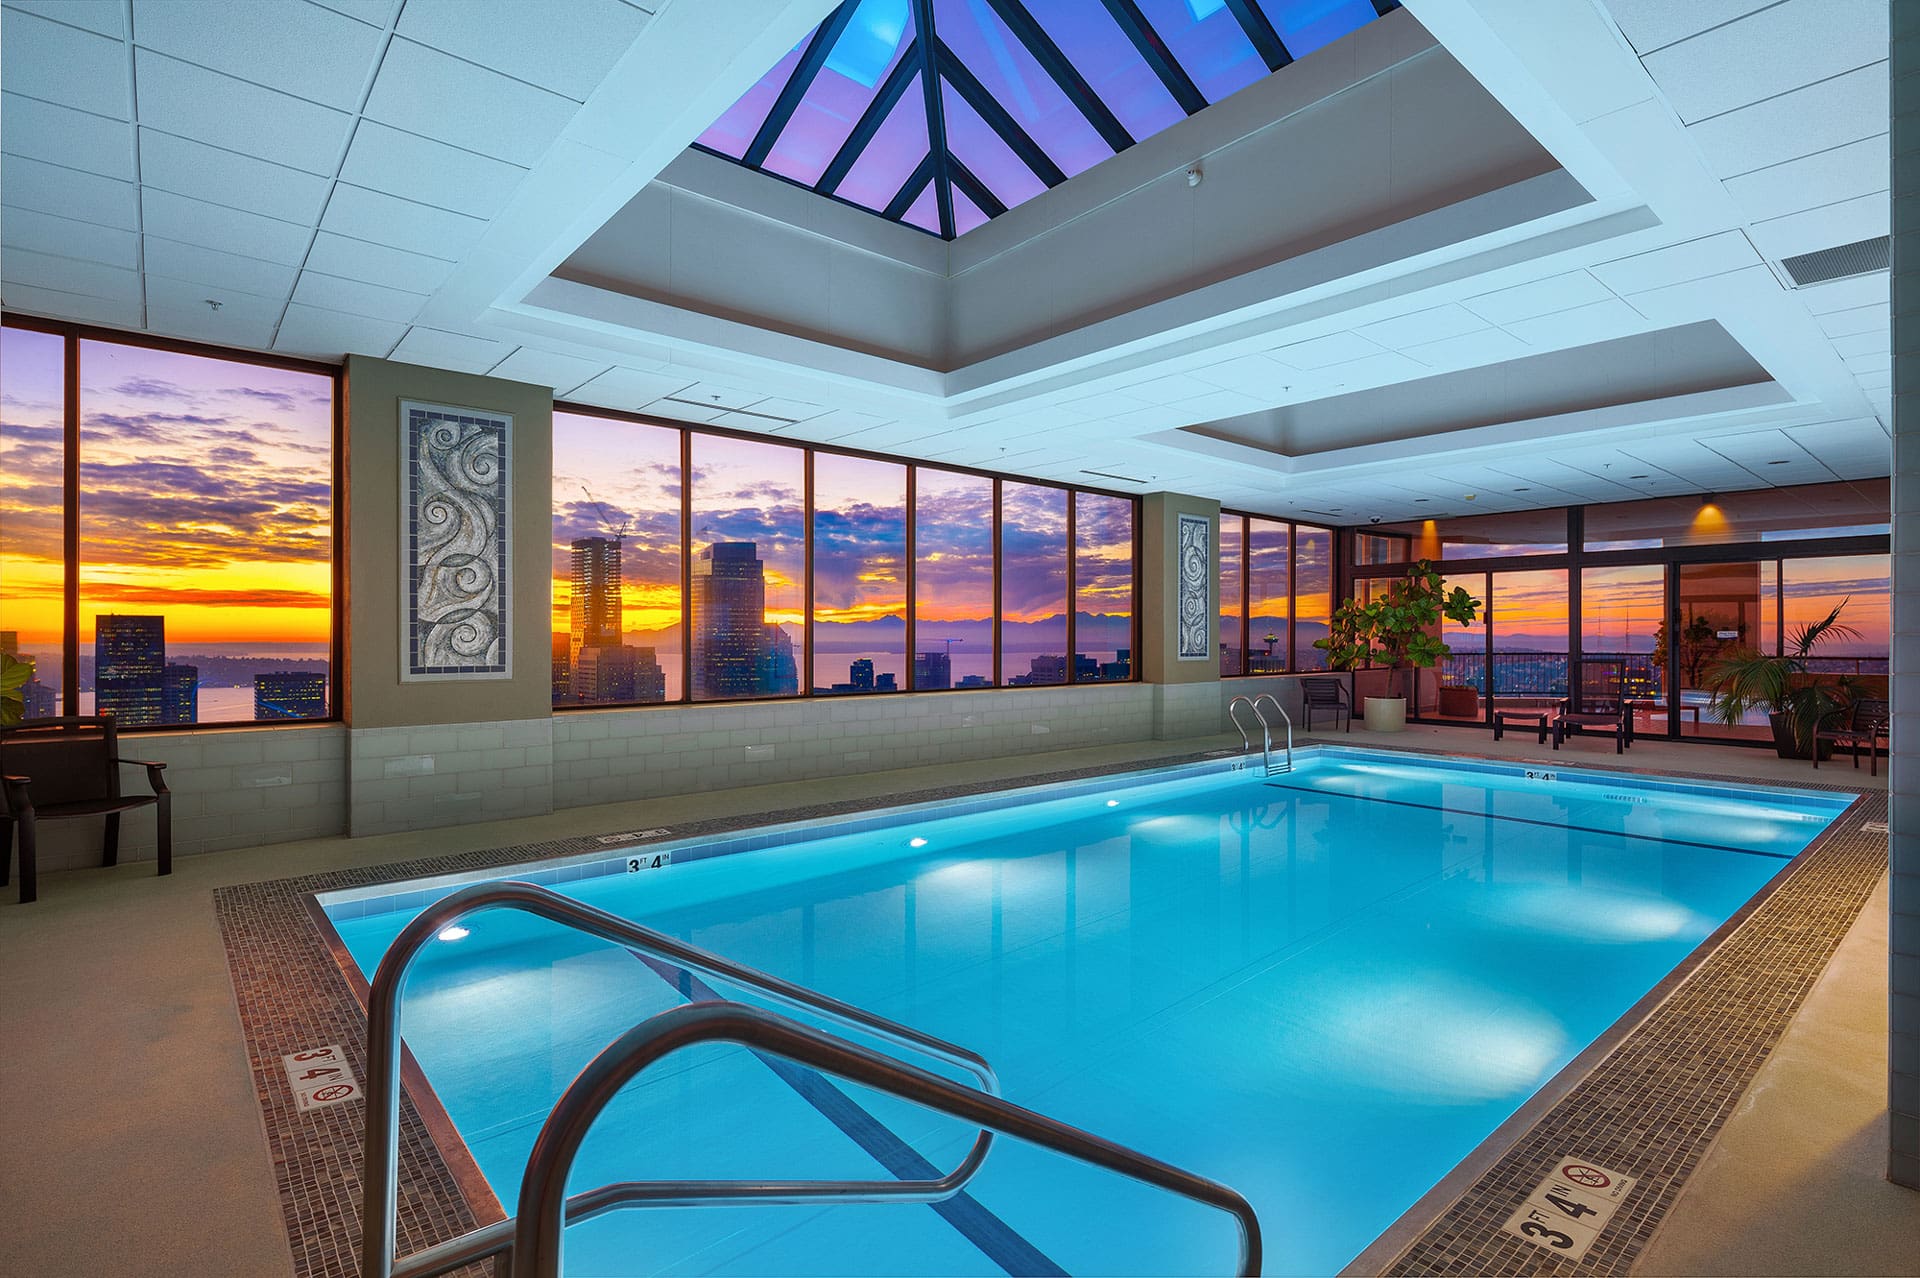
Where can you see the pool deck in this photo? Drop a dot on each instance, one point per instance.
(135, 1119)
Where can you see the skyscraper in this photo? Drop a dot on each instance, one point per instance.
(562, 668)
(129, 668)
(595, 598)
(290, 694)
(735, 652)
(180, 694)
(932, 670)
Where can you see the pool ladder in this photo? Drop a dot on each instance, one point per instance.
(1266, 730)
(527, 1244)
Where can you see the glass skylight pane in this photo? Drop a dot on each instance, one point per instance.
(1002, 64)
(925, 211)
(966, 214)
(860, 62)
(1306, 25)
(896, 149)
(978, 147)
(1106, 58)
(733, 132)
(1208, 41)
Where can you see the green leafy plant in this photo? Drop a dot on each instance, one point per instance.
(1400, 628)
(14, 674)
(1745, 680)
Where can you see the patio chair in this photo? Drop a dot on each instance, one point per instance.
(58, 769)
(1615, 717)
(1325, 694)
(1865, 724)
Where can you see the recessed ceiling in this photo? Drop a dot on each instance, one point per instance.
(943, 114)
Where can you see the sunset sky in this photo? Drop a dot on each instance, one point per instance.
(206, 494)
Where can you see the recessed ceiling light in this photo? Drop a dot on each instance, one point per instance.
(1637, 477)
(1420, 501)
(1523, 490)
(1781, 462)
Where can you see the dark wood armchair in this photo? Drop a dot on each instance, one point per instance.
(1326, 693)
(54, 769)
(1864, 723)
(1613, 718)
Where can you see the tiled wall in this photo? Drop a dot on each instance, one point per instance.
(416, 778)
(231, 789)
(1903, 1162)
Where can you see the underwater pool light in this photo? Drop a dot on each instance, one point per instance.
(454, 932)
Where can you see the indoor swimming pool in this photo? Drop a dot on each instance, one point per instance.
(1323, 988)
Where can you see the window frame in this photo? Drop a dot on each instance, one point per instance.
(1337, 548)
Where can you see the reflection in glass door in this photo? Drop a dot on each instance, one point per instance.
(1457, 691)
(1720, 610)
(1527, 627)
(1622, 654)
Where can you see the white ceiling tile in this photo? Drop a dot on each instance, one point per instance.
(63, 64)
(1422, 326)
(218, 272)
(1820, 116)
(1860, 319)
(1653, 24)
(1250, 375)
(1580, 326)
(1877, 342)
(1335, 348)
(70, 306)
(428, 172)
(189, 101)
(107, 17)
(458, 352)
(1483, 347)
(377, 13)
(1105, 404)
(1859, 168)
(1875, 381)
(793, 410)
(1368, 370)
(1170, 390)
(1770, 454)
(87, 197)
(544, 368)
(357, 297)
(629, 388)
(1769, 52)
(61, 135)
(717, 395)
(175, 217)
(677, 411)
(751, 422)
(499, 117)
(70, 275)
(240, 181)
(377, 264)
(297, 48)
(1693, 260)
(382, 219)
(1844, 222)
(568, 48)
(1541, 297)
(180, 306)
(1870, 363)
(324, 334)
(1847, 294)
(64, 237)
(844, 421)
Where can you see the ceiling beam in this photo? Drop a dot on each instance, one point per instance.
(974, 188)
(1018, 140)
(891, 90)
(1266, 41)
(1154, 50)
(824, 37)
(937, 149)
(909, 191)
(1056, 64)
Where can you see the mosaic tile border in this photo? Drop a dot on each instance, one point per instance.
(291, 993)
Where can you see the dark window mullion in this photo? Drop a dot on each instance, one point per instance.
(815, 57)
(1154, 50)
(1018, 140)
(1056, 64)
(974, 188)
(70, 531)
(1266, 41)
(909, 191)
(891, 91)
(937, 149)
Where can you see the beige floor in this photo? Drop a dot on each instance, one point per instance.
(130, 1142)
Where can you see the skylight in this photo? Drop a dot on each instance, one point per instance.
(944, 114)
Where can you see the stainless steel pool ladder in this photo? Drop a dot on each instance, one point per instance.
(528, 1243)
(1266, 730)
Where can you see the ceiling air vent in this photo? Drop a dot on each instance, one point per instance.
(1838, 263)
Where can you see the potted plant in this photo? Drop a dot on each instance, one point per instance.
(1795, 700)
(14, 674)
(1398, 629)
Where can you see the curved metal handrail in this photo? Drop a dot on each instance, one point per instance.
(1269, 698)
(543, 1207)
(380, 1168)
(1233, 714)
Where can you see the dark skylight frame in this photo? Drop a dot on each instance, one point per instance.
(1033, 71)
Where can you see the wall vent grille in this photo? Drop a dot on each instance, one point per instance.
(1860, 258)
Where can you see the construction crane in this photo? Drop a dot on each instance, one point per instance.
(617, 535)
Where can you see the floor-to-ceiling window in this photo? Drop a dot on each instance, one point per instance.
(859, 574)
(1276, 594)
(1033, 584)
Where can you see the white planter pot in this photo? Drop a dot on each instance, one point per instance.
(1385, 714)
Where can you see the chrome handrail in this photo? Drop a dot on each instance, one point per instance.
(1246, 742)
(379, 1225)
(1269, 698)
(543, 1208)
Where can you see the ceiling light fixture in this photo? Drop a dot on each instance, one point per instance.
(1194, 175)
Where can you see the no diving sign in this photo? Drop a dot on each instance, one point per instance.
(1568, 1209)
(320, 1076)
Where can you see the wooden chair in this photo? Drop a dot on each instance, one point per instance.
(1326, 693)
(56, 769)
(1865, 725)
(1615, 717)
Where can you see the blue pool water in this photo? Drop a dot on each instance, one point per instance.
(1324, 990)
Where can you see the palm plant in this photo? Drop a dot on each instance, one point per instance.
(1746, 680)
(14, 674)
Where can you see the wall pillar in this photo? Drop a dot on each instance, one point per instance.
(423, 754)
(1903, 1158)
(1186, 699)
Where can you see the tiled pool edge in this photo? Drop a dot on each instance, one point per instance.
(292, 994)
